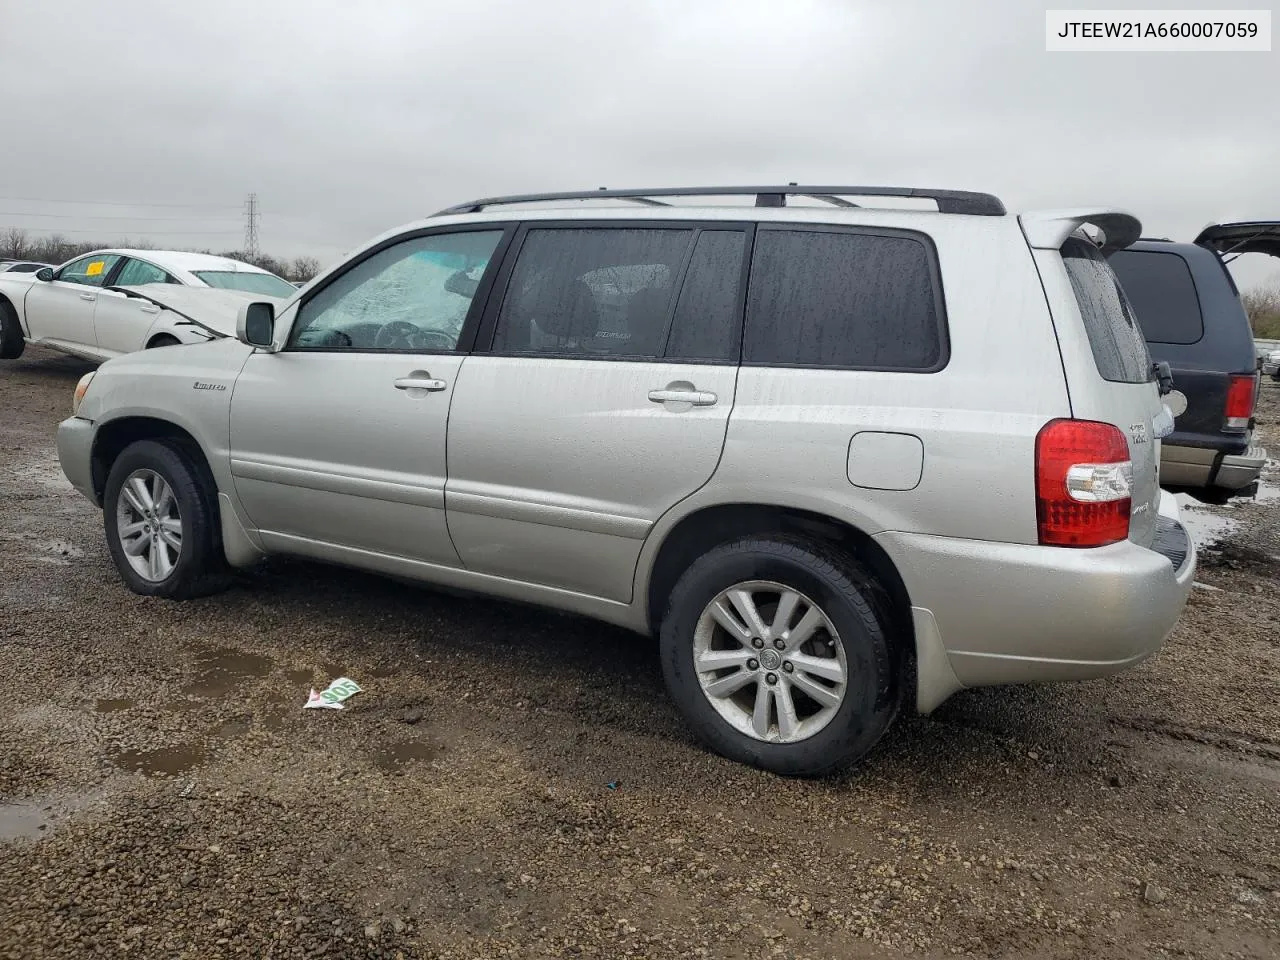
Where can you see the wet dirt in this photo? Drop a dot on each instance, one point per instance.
(1205, 524)
(1021, 823)
(112, 705)
(162, 761)
(220, 672)
(233, 728)
(394, 758)
(34, 819)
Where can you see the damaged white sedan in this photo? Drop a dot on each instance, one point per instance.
(114, 302)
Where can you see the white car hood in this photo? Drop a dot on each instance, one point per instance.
(18, 279)
(213, 308)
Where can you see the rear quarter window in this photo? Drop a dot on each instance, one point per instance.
(1163, 295)
(1119, 348)
(845, 299)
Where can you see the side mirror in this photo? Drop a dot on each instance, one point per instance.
(45, 274)
(256, 324)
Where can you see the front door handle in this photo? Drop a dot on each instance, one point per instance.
(698, 398)
(149, 308)
(420, 383)
(88, 296)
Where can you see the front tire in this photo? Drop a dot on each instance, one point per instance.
(777, 651)
(158, 510)
(12, 343)
(163, 340)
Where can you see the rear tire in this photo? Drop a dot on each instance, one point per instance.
(160, 514)
(12, 343)
(163, 340)
(833, 695)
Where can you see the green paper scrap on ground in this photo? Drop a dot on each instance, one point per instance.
(331, 697)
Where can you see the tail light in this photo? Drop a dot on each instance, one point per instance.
(1240, 395)
(1084, 479)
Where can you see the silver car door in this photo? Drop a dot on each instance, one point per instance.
(603, 401)
(338, 440)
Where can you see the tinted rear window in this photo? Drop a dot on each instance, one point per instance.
(1119, 349)
(843, 299)
(1163, 295)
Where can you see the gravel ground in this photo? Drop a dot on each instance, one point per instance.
(514, 783)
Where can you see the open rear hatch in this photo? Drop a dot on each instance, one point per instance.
(1252, 236)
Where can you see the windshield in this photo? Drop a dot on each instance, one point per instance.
(264, 283)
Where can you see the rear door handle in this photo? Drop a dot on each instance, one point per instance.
(420, 383)
(699, 398)
(88, 296)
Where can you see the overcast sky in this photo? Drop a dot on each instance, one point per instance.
(348, 121)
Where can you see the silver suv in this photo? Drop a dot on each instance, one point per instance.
(839, 457)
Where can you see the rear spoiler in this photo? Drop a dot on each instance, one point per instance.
(1049, 229)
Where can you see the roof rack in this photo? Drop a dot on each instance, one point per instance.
(949, 201)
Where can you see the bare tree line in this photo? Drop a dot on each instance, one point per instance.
(17, 244)
(1263, 306)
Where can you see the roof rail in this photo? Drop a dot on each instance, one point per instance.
(949, 201)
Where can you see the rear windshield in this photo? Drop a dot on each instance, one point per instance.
(264, 283)
(1163, 295)
(1118, 346)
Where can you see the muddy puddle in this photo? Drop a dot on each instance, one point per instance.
(1268, 491)
(230, 729)
(1204, 526)
(161, 762)
(112, 705)
(393, 758)
(220, 672)
(33, 819)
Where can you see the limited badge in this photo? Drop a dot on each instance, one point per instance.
(1139, 432)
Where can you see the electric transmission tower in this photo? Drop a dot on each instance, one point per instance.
(251, 225)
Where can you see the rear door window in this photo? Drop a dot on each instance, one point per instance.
(134, 273)
(593, 293)
(1119, 349)
(845, 299)
(1163, 295)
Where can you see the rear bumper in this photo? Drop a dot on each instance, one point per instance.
(1205, 467)
(1239, 471)
(75, 448)
(991, 613)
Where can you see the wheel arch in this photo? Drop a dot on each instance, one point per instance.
(114, 436)
(7, 300)
(158, 335)
(703, 529)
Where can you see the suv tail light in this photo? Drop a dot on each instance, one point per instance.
(1240, 395)
(1084, 479)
